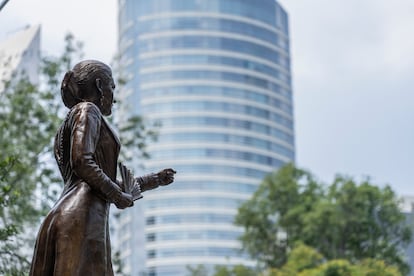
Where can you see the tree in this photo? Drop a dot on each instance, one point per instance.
(345, 220)
(306, 261)
(272, 212)
(303, 260)
(26, 126)
(237, 270)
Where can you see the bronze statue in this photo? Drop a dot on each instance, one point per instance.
(74, 237)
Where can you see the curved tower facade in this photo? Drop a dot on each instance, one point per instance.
(216, 75)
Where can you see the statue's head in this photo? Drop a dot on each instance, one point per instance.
(89, 81)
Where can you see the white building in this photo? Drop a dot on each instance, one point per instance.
(216, 75)
(20, 55)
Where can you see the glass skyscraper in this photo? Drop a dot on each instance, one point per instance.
(216, 75)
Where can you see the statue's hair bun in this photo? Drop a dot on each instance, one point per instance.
(69, 90)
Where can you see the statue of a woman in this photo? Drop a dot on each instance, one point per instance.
(74, 237)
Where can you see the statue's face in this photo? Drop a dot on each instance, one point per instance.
(108, 87)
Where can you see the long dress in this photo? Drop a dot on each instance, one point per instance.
(74, 237)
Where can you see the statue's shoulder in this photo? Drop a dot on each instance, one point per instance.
(85, 108)
(84, 112)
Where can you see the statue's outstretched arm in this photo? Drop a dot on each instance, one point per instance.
(154, 180)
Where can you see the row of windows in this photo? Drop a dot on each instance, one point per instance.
(126, 28)
(218, 107)
(213, 42)
(190, 252)
(193, 235)
(227, 138)
(126, 16)
(214, 60)
(177, 270)
(129, 53)
(210, 75)
(190, 218)
(211, 24)
(266, 11)
(215, 153)
(222, 186)
(193, 202)
(219, 170)
(174, 270)
(216, 91)
(228, 123)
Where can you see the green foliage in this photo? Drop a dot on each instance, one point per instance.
(371, 267)
(333, 268)
(237, 270)
(27, 124)
(306, 261)
(345, 220)
(273, 211)
(28, 121)
(303, 260)
(303, 257)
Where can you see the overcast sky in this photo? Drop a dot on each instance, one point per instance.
(352, 68)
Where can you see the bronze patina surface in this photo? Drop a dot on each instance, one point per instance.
(74, 237)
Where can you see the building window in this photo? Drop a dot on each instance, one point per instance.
(150, 220)
(151, 237)
(151, 254)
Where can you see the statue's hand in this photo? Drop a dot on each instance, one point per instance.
(124, 200)
(166, 176)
